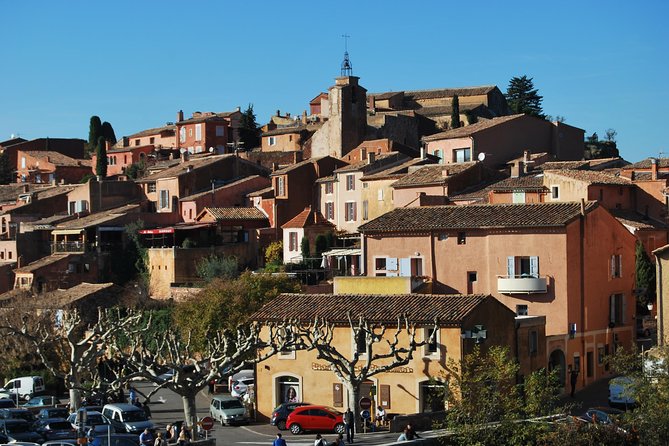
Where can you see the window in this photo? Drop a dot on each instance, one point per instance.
(521, 310)
(442, 237)
(329, 188)
(590, 364)
(329, 210)
(522, 266)
(198, 132)
(360, 341)
(365, 210)
(432, 346)
(137, 142)
(518, 196)
(555, 192)
(292, 241)
(349, 214)
(164, 200)
(617, 307)
(600, 355)
(182, 134)
(462, 155)
(271, 140)
(151, 187)
(380, 263)
(533, 340)
(190, 132)
(462, 238)
(280, 186)
(616, 265)
(350, 182)
(23, 162)
(437, 153)
(152, 140)
(220, 130)
(471, 276)
(380, 195)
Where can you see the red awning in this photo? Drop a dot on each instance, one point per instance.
(157, 231)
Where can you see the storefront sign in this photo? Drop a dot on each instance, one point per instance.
(320, 367)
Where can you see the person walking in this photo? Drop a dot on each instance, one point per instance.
(573, 379)
(319, 441)
(146, 438)
(278, 441)
(349, 422)
(184, 439)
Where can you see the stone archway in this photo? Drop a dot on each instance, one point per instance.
(557, 361)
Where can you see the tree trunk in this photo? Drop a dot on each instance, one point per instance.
(353, 399)
(190, 413)
(75, 399)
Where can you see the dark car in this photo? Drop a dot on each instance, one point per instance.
(315, 418)
(7, 403)
(601, 415)
(17, 414)
(43, 400)
(116, 440)
(19, 430)
(53, 412)
(55, 429)
(280, 414)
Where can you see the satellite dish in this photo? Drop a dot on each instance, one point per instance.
(481, 156)
(211, 150)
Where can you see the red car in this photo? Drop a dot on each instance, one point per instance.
(315, 418)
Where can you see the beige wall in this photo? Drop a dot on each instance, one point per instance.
(376, 206)
(289, 142)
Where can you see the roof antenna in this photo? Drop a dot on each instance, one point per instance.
(346, 67)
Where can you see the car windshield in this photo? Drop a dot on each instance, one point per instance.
(60, 425)
(135, 415)
(231, 404)
(17, 428)
(94, 419)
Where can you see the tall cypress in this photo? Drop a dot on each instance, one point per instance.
(249, 133)
(94, 132)
(101, 153)
(455, 112)
(107, 131)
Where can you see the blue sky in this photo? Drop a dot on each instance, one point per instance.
(135, 64)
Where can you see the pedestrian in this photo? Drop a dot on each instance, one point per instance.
(147, 409)
(146, 438)
(349, 422)
(183, 438)
(132, 395)
(340, 440)
(278, 441)
(160, 440)
(573, 379)
(411, 433)
(319, 441)
(169, 433)
(404, 436)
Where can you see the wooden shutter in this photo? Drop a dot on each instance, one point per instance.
(612, 308)
(511, 267)
(384, 396)
(338, 395)
(613, 266)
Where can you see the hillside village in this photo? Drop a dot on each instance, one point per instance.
(377, 196)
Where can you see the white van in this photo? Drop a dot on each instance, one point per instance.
(25, 387)
(127, 418)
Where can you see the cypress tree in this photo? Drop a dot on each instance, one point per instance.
(249, 133)
(107, 131)
(455, 112)
(645, 275)
(101, 153)
(94, 132)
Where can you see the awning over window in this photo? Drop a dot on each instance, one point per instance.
(67, 231)
(343, 252)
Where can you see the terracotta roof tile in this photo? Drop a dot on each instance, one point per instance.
(476, 216)
(636, 220)
(182, 167)
(472, 129)
(645, 164)
(433, 174)
(57, 158)
(44, 261)
(153, 131)
(591, 177)
(449, 309)
(437, 92)
(524, 182)
(250, 213)
(382, 161)
(308, 217)
(562, 165)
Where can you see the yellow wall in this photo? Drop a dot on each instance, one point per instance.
(371, 285)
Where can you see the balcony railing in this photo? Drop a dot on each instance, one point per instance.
(68, 247)
(522, 284)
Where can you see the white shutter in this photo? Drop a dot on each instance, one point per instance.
(511, 266)
(391, 264)
(534, 266)
(405, 267)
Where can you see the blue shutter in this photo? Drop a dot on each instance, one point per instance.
(534, 266)
(405, 267)
(511, 266)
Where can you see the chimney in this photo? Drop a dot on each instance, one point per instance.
(444, 172)
(304, 117)
(278, 112)
(185, 156)
(515, 169)
(107, 145)
(653, 169)
(287, 115)
(371, 156)
(582, 207)
(239, 108)
(526, 156)
(372, 103)
(125, 141)
(275, 167)
(180, 115)
(422, 152)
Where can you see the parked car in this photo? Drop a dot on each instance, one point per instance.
(127, 418)
(280, 414)
(7, 403)
(19, 430)
(55, 429)
(43, 400)
(116, 440)
(95, 423)
(600, 415)
(25, 387)
(241, 386)
(53, 412)
(65, 442)
(315, 418)
(621, 392)
(167, 376)
(17, 414)
(228, 410)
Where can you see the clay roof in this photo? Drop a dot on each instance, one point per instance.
(446, 109)
(129, 148)
(433, 174)
(382, 161)
(448, 309)
(98, 218)
(44, 261)
(292, 129)
(648, 176)
(227, 185)
(523, 182)
(153, 131)
(592, 177)
(396, 171)
(438, 92)
(308, 217)
(563, 165)
(251, 213)
(182, 167)
(56, 299)
(472, 129)
(11, 192)
(477, 216)
(636, 220)
(301, 164)
(266, 193)
(208, 116)
(645, 164)
(57, 158)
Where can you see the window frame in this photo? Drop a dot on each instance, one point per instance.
(350, 182)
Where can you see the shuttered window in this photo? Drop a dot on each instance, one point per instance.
(384, 396)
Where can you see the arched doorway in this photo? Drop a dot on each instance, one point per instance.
(557, 361)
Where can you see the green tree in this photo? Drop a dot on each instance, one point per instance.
(136, 170)
(455, 112)
(249, 133)
(101, 154)
(321, 244)
(274, 253)
(213, 267)
(94, 133)
(471, 117)
(107, 132)
(305, 249)
(596, 148)
(645, 276)
(6, 175)
(522, 97)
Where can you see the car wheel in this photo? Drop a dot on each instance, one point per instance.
(340, 428)
(281, 425)
(295, 429)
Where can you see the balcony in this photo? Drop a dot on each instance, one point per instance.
(67, 247)
(522, 284)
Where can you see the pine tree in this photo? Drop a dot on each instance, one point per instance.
(94, 132)
(455, 112)
(101, 153)
(249, 133)
(522, 97)
(107, 131)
